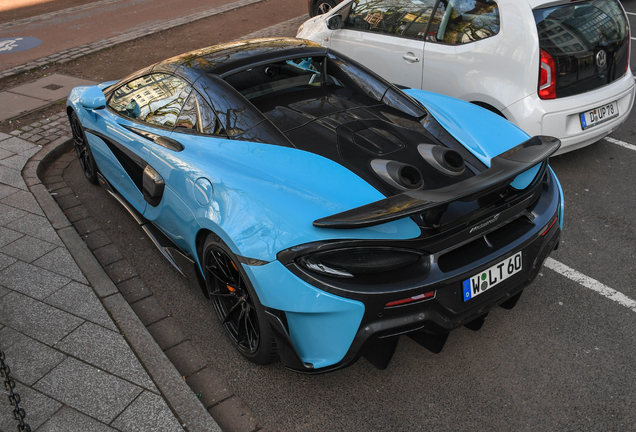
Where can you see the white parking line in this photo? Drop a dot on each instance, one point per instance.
(590, 283)
(620, 143)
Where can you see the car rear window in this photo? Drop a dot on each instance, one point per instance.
(588, 41)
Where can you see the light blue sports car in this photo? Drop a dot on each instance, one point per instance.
(324, 211)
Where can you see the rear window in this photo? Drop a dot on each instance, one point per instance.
(588, 42)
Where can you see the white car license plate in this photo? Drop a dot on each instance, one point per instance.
(491, 277)
(598, 115)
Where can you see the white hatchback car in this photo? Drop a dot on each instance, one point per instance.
(558, 68)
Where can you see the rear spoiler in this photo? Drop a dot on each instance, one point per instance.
(503, 170)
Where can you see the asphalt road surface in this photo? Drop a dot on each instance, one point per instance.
(563, 359)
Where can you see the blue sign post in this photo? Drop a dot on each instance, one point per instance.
(15, 44)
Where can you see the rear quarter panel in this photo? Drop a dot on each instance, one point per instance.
(266, 197)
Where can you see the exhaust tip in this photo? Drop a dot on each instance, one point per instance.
(445, 160)
(400, 175)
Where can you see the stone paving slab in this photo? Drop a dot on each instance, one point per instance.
(51, 88)
(40, 406)
(69, 420)
(12, 105)
(6, 261)
(9, 214)
(61, 262)
(8, 236)
(12, 177)
(77, 299)
(23, 200)
(36, 319)
(89, 390)
(147, 413)
(6, 191)
(27, 249)
(35, 359)
(17, 146)
(31, 280)
(107, 350)
(35, 226)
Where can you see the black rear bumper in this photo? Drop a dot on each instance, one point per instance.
(429, 321)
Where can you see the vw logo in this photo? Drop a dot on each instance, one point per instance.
(601, 58)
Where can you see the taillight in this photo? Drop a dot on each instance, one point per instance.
(351, 262)
(411, 299)
(547, 77)
(547, 230)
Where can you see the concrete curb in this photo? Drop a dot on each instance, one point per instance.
(181, 399)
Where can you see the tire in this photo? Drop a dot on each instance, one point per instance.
(322, 7)
(236, 303)
(82, 149)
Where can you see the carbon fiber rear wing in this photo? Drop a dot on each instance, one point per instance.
(503, 170)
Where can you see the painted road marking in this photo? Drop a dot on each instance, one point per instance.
(590, 283)
(620, 143)
(15, 44)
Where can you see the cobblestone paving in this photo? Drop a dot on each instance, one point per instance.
(46, 130)
(67, 55)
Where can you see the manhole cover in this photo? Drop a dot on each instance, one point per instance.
(53, 87)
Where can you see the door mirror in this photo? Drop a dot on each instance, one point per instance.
(335, 22)
(93, 98)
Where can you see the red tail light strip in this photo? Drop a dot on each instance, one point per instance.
(549, 228)
(411, 299)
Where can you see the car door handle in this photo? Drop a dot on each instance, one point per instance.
(410, 57)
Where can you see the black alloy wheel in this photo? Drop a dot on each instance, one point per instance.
(81, 148)
(322, 7)
(236, 303)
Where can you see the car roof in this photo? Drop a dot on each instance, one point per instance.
(227, 58)
(535, 4)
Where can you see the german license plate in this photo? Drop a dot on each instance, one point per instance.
(596, 116)
(491, 277)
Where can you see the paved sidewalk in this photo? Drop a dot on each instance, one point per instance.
(32, 96)
(73, 368)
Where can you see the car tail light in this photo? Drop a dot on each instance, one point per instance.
(547, 77)
(351, 262)
(424, 296)
(547, 230)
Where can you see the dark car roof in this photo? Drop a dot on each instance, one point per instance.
(232, 56)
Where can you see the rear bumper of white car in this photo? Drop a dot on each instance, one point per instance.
(561, 117)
